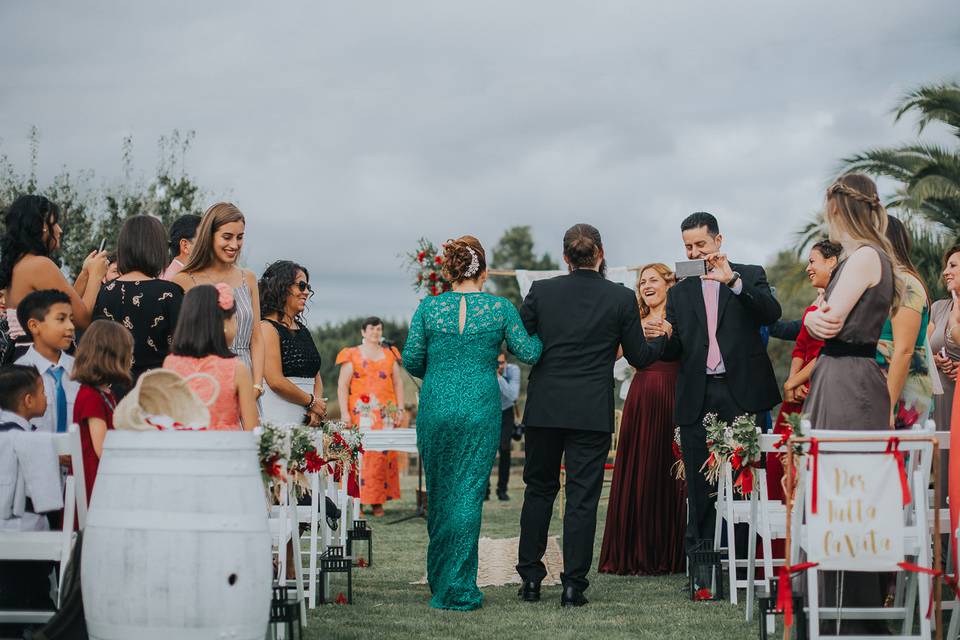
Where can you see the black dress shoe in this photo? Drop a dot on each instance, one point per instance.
(572, 597)
(502, 496)
(530, 591)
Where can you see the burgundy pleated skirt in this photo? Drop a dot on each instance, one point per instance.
(646, 518)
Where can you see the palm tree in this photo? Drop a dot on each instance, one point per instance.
(929, 173)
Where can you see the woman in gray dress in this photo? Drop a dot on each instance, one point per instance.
(946, 353)
(848, 390)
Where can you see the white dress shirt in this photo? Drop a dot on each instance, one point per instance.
(48, 421)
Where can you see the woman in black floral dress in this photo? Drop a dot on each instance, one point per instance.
(147, 306)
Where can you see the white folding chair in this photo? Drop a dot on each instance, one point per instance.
(917, 535)
(285, 530)
(731, 512)
(767, 519)
(319, 534)
(51, 546)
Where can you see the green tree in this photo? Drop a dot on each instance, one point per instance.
(929, 173)
(515, 251)
(91, 214)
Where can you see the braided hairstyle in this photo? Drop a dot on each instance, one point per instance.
(463, 259)
(853, 206)
(26, 220)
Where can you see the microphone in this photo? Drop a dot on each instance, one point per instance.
(390, 344)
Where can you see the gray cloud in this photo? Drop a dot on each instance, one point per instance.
(347, 130)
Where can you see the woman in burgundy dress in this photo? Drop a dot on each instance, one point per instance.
(824, 257)
(647, 514)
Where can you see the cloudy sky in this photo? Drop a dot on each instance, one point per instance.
(346, 130)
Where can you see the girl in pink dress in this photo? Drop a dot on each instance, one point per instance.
(199, 353)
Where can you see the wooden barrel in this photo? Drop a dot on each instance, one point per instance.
(177, 544)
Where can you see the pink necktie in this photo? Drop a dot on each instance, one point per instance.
(711, 300)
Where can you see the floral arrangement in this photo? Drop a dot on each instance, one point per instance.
(737, 444)
(425, 264)
(791, 428)
(343, 446)
(678, 470)
(365, 406)
(273, 448)
(390, 413)
(333, 448)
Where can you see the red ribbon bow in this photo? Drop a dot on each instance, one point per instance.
(936, 573)
(785, 589)
(893, 448)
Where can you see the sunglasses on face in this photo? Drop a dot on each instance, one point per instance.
(303, 285)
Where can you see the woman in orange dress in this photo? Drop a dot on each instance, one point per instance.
(370, 391)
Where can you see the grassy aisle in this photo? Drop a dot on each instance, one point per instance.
(387, 606)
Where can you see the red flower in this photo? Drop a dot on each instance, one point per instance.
(433, 290)
(710, 460)
(421, 256)
(273, 468)
(446, 286)
(433, 276)
(676, 450)
(736, 461)
(314, 462)
(341, 599)
(703, 594)
(438, 260)
(361, 563)
(419, 278)
(745, 481)
(365, 399)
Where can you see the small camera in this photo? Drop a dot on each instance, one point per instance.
(690, 268)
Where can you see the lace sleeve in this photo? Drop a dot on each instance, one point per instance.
(525, 347)
(415, 349)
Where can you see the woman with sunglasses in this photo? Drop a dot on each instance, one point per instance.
(294, 392)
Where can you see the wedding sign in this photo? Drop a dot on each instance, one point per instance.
(856, 522)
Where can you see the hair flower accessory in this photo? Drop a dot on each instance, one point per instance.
(224, 296)
(474, 264)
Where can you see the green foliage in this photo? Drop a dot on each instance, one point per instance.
(795, 294)
(515, 251)
(929, 173)
(331, 338)
(91, 214)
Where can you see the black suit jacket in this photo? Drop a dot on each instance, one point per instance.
(581, 318)
(750, 376)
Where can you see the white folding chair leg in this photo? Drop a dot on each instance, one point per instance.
(813, 596)
(751, 554)
(294, 521)
(731, 542)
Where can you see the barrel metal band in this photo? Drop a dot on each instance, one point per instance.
(176, 521)
(126, 632)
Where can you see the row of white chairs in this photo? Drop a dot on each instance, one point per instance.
(54, 545)
(767, 520)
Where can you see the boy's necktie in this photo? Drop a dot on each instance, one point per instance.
(57, 373)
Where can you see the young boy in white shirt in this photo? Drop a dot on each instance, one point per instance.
(48, 316)
(24, 584)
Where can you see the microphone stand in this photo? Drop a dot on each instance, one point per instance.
(421, 511)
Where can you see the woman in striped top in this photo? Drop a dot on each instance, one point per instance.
(213, 261)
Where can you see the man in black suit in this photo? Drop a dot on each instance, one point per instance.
(724, 369)
(581, 318)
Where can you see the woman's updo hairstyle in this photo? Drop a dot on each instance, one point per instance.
(582, 245)
(463, 259)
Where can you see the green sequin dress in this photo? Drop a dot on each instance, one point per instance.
(458, 426)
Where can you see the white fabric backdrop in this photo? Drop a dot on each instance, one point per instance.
(525, 278)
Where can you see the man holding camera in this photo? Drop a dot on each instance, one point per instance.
(724, 369)
(508, 377)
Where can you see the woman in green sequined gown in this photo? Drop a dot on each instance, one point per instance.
(453, 344)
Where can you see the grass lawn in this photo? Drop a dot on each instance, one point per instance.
(387, 606)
